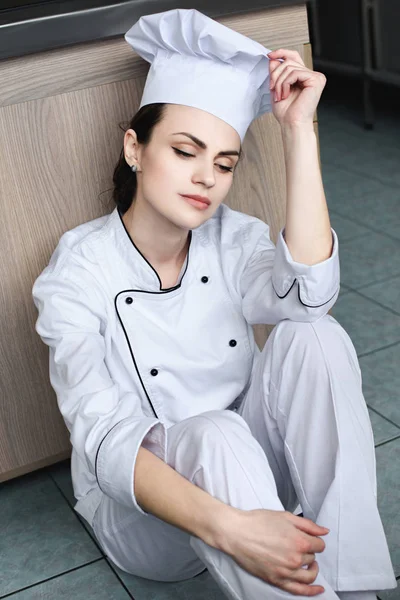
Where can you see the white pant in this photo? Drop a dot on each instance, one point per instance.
(301, 434)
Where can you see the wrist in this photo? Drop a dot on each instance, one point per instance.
(295, 130)
(224, 526)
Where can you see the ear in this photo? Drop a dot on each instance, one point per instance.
(130, 145)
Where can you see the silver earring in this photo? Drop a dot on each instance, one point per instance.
(134, 168)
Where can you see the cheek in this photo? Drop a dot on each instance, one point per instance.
(159, 180)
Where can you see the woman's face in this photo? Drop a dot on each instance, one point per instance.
(164, 173)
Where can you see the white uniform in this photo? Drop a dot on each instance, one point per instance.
(133, 364)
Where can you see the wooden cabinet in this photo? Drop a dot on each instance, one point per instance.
(60, 139)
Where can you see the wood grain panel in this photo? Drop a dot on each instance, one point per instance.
(46, 188)
(93, 64)
(60, 142)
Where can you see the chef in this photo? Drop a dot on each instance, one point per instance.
(191, 448)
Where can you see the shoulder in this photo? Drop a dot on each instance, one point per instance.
(74, 254)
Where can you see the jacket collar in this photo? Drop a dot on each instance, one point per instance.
(134, 259)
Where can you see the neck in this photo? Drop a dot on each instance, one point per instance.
(160, 241)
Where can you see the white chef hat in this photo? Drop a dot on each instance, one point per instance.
(196, 61)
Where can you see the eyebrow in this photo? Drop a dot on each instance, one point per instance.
(204, 146)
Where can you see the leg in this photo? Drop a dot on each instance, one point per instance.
(216, 451)
(306, 409)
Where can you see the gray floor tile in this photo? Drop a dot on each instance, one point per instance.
(343, 289)
(369, 259)
(61, 474)
(364, 152)
(393, 229)
(336, 116)
(388, 475)
(40, 536)
(381, 381)
(197, 588)
(344, 190)
(362, 199)
(386, 293)
(391, 594)
(345, 228)
(383, 429)
(92, 582)
(369, 326)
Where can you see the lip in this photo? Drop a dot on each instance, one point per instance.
(203, 199)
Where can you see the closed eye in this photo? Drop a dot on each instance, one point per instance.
(180, 152)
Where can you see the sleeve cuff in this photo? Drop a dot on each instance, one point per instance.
(317, 283)
(115, 466)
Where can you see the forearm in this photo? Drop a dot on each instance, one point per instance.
(165, 493)
(308, 230)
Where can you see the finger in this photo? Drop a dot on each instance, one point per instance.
(302, 589)
(307, 525)
(296, 75)
(273, 65)
(284, 80)
(304, 522)
(306, 575)
(316, 545)
(281, 66)
(310, 544)
(285, 53)
(308, 559)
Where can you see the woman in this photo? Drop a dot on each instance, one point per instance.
(192, 449)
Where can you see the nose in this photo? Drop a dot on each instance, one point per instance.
(206, 175)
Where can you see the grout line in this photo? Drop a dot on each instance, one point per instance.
(378, 349)
(387, 441)
(92, 538)
(383, 416)
(383, 280)
(28, 587)
(394, 312)
(367, 226)
(111, 565)
(357, 291)
(384, 182)
(350, 218)
(344, 167)
(334, 212)
(364, 285)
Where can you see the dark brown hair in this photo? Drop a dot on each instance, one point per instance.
(124, 179)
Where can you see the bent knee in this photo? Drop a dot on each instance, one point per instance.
(214, 424)
(307, 331)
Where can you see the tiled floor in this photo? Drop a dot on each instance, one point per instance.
(46, 551)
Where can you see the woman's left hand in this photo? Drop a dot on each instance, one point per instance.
(297, 89)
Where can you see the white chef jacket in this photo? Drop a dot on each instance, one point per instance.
(128, 359)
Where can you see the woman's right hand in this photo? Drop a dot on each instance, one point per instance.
(273, 545)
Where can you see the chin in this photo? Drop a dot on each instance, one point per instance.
(190, 223)
(190, 219)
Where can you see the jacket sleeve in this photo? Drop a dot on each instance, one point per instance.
(274, 287)
(106, 423)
